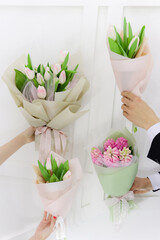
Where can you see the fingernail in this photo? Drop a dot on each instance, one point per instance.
(54, 217)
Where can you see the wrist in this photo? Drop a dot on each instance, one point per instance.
(32, 238)
(151, 122)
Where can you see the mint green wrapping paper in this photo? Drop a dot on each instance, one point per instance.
(117, 181)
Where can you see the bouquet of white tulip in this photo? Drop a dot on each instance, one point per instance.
(131, 60)
(57, 182)
(42, 82)
(49, 98)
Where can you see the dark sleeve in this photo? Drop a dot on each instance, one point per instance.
(154, 152)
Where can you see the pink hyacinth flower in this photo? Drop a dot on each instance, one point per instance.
(109, 142)
(121, 143)
(41, 92)
(97, 156)
(125, 155)
(111, 157)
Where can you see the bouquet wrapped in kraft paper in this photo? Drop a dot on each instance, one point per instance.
(116, 165)
(48, 97)
(57, 182)
(131, 59)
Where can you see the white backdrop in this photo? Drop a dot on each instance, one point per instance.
(43, 28)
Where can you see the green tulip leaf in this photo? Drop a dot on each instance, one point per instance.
(123, 53)
(64, 64)
(44, 172)
(53, 178)
(130, 34)
(125, 34)
(118, 38)
(54, 165)
(20, 80)
(66, 166)
(133, 48)
(114, 46)
(60, 170)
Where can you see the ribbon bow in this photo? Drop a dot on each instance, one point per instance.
(119, 207)
(60, 229)
(60, 142)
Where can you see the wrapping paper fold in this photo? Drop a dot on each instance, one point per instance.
(57, 197)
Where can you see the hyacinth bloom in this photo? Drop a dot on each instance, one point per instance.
(56, 68)
(41, 92)
(40, 79)
(97, 156)
(62, 77)
(47, 75)
(125, 155)
(121, 143)
(109, 142)
(111, 156)
(63, 55)
(29, 73)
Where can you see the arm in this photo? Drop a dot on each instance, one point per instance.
(138, 112)
(11, 147)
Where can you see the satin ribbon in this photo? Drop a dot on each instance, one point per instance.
(60, 229)
(60, 142)
(119, 207)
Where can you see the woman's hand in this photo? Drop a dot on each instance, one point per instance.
(141, 185)
(45, 228)
(137, 111)
(28, 135)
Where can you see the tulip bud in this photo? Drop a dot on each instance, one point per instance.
(67, 175)
(29, 73)
(48, 164)
(41, 92)
(40, 79)
(47, 75)
(62, 77)
(63, 55)
(56, 68)
(111, 32)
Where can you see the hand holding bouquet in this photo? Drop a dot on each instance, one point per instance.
(57, 183)
(130, 57)
(48, 97)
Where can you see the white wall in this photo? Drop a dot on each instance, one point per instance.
(43, 28)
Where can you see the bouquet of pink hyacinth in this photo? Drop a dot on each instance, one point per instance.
(116, 166)
(57, 182)
(116, 153)
(48, 97)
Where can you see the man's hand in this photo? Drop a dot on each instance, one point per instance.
(45, 228)
(137, 111)
(141, 185)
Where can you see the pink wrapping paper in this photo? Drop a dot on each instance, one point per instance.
(57, 197)
(132, 74)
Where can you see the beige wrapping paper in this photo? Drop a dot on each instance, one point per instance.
(54, 114)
